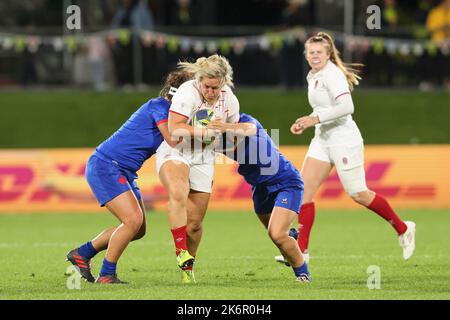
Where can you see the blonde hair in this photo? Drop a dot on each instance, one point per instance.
(347, 68)
(214, 66)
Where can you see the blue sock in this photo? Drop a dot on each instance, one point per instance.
(301, 270)
(87, 250)
(108, 268)
(293, 233)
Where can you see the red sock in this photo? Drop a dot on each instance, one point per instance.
(305, 223)
(381, 207)
(179, 237)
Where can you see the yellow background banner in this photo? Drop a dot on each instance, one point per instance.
(52, 180)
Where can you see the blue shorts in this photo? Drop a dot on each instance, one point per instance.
(264, 200)
(107, 180)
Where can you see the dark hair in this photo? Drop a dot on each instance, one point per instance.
(173, 80)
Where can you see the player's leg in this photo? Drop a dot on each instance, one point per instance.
(91, 248)
(354, 182)
(201, 180)
(350, 168)
(129, 212)
(314, 172)
(100, 242)
(174, 175)
(196, 211)
(111, 187)
(285, 210)
(293, 233)
(278, 229)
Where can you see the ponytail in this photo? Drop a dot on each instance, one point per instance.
(350, 70)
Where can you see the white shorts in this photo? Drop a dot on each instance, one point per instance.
(348, 160)
(201, 173)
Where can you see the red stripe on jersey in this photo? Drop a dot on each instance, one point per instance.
(343, 94)
(162, 121)
(179, 114)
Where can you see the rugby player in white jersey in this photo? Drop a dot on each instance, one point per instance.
(337, 142)
(187, 169)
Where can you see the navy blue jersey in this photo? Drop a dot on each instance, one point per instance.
(139, 137)
(260, 161)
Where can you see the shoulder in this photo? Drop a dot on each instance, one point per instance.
(157, 101)
(186, 87)
(333, 73)
(157, 104)
(229, 96)
(187, 90)
(332, 70)
(228, 92)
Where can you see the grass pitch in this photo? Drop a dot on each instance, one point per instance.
(235, 260)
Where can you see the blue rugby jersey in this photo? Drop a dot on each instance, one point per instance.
(260, 161)
(139, 137)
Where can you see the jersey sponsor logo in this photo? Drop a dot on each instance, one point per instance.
(284, 201)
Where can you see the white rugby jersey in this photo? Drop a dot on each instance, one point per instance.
(188, 100)
(324, 88)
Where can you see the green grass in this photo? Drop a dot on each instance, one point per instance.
(235, 260)
(84, 119)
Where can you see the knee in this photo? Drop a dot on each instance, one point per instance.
(356, 197)
(135, 223)
(277, 236)
(178, 195)
(362, 198)
(194, 227)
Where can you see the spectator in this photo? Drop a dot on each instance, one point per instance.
(390, 13)
(182, 13)
(296, 13)
(97, 56)
(438, 22)
(132, 15)
(422, 10)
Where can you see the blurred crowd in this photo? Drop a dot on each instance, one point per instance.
(113, 62)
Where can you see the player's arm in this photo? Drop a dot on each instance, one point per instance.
(178, 128)
(338, 88)
(231, 124)
(343, 108)
(228, 143)
(239, 129)
(164, 129)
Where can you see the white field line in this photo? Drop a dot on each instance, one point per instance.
(7, 245)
